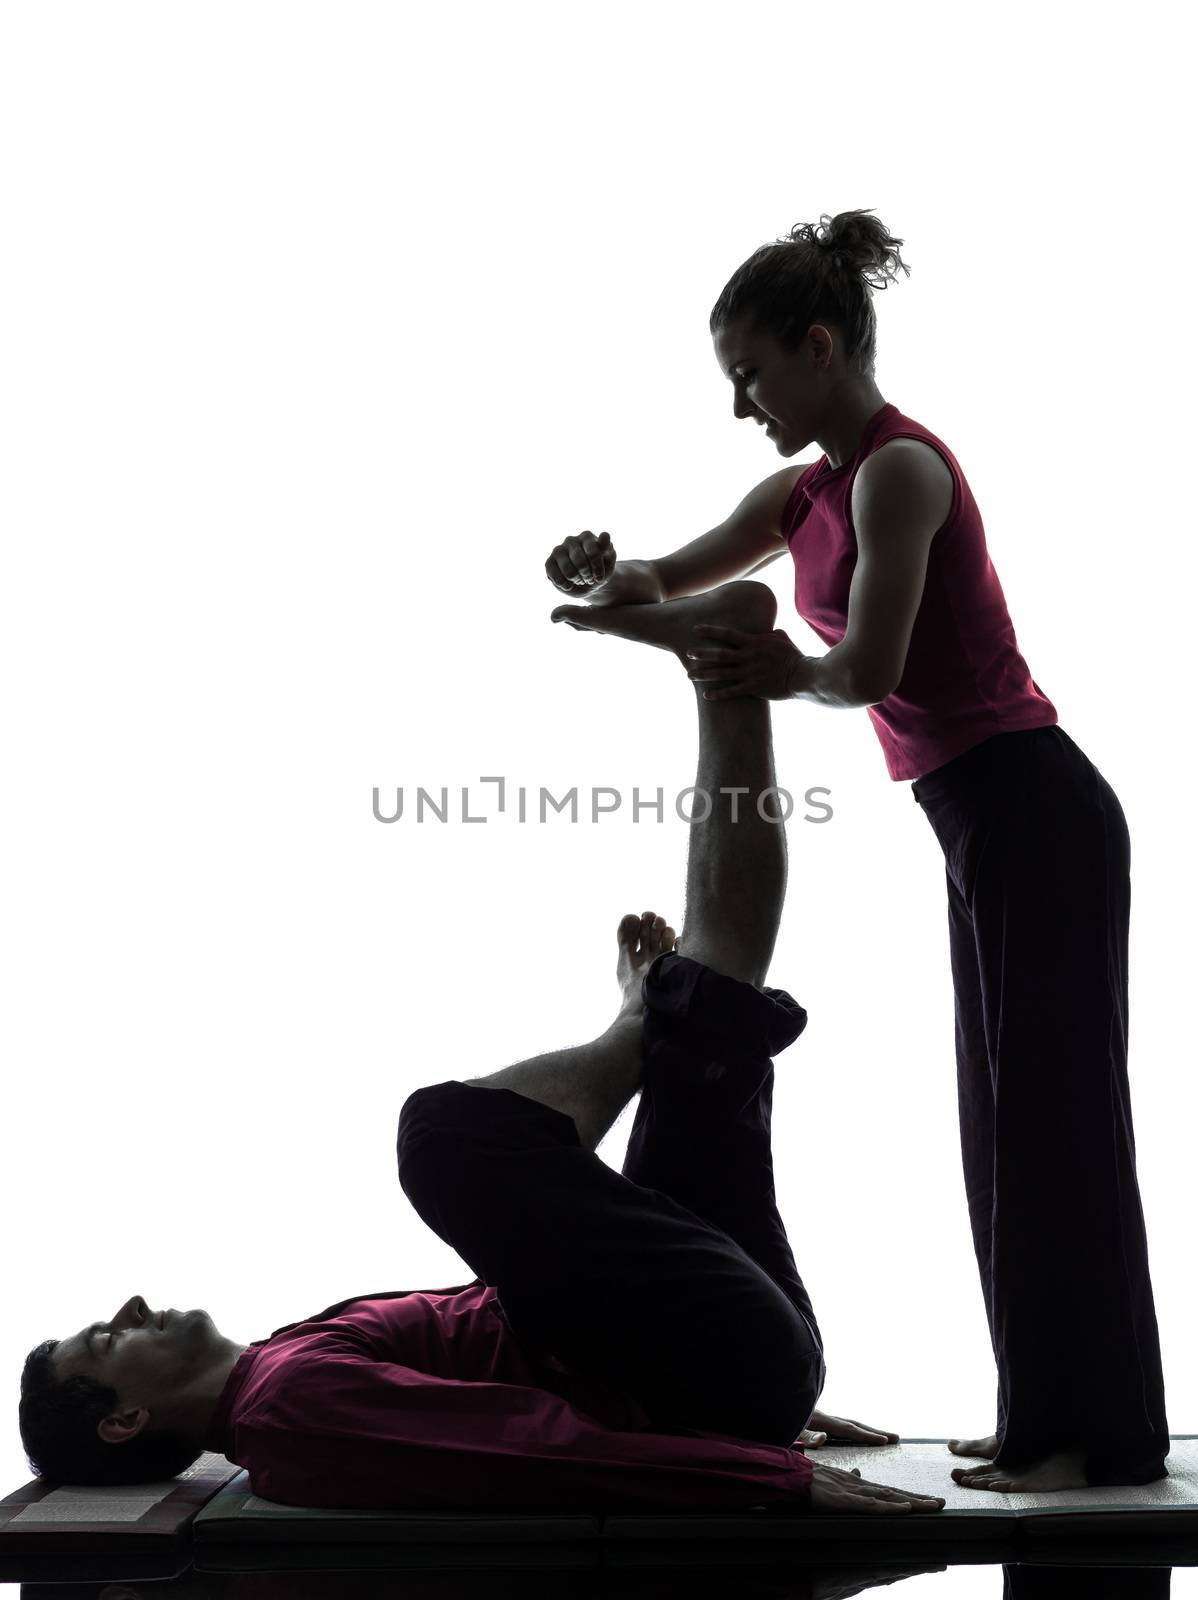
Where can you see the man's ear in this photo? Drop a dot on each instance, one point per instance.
(122, 1425)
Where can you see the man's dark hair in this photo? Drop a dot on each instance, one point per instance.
(811, 277)
(58, 1418)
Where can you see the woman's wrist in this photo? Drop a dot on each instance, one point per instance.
(656, 574)
(798, 675)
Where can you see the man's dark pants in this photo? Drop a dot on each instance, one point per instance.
(673, 1280)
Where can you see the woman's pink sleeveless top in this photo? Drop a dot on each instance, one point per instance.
(964, 677)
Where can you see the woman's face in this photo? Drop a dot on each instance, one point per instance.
(785, 392)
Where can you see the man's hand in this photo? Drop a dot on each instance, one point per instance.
(823, 1428)
(734, 663)
(833, 1491)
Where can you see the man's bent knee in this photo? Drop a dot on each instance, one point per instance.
(724, 957)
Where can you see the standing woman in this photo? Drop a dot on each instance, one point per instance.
(892, 573)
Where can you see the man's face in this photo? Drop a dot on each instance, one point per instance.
(143, 1362)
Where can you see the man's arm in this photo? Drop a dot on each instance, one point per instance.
(345, 1430)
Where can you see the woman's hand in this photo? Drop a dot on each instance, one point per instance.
(580, 563)
(586, 567)
(733, 663)
(833, 1490)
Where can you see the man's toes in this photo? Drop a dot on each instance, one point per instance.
(576, 616)
(651, 932)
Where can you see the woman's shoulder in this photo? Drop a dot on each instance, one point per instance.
(915, 465)
(931, 455)
(897, 433)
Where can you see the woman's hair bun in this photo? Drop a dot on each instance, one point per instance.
(856, 240)
(819, 272)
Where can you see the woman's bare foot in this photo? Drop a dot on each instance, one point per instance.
(641, 941)
(746, 605)
(1065, 1470)
(987, 1447)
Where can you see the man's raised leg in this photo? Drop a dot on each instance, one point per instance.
(735, 881)
(702, 1132)
(736, 860)
(736, 863)
(594, 1082)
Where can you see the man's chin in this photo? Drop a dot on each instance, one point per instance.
(197, 1317)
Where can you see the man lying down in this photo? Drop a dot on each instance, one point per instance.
(632, 1341)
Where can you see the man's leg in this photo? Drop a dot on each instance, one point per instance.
(594, 1082)
(702, 1132)
(655, 1285)
(736, 867)
(703, 1129)
(736, 860)
(735, 877)
(735, 886)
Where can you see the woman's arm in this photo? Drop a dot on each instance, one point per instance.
(902, 496)
(744, 542)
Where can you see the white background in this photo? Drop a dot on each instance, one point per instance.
(321, 326)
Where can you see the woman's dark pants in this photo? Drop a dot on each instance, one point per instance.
(1037, 862)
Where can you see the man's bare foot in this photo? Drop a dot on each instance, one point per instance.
(1065, 1470)
(987, 1447)
(641, 941)
(746, 605)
